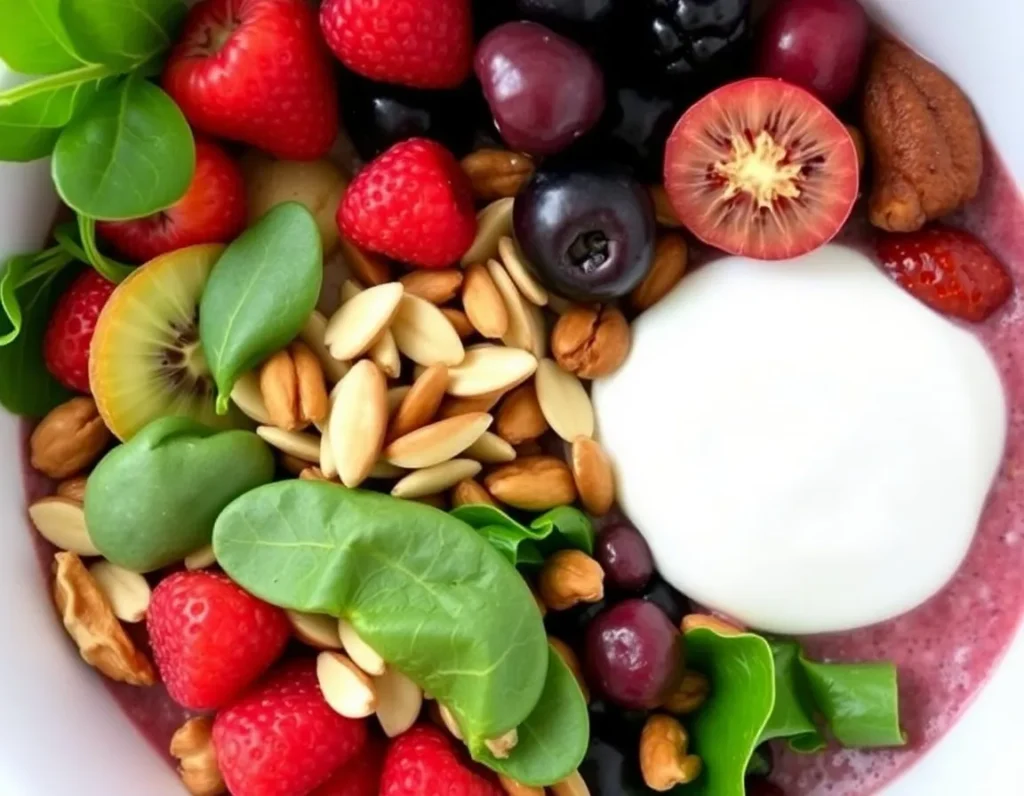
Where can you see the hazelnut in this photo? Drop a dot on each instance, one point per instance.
(192, 744)
(496, 173)
(664, 762)
(69, 439)
(570, 577)
(689, 694)
(294, 389)
(591, 342)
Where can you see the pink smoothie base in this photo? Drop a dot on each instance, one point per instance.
(945, 650)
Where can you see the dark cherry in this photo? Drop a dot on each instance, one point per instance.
(633, 655)
(624, 555)
(571, 625)
(612, 767)
(668, 599)
(588, 233)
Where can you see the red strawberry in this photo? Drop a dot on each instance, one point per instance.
(948, 269)
(413, 203)
(256, 71)
(282, 738)
(424, 762)
(69, 335)
(211, 211)
(211, 640)
(425, 43)
(360, 777)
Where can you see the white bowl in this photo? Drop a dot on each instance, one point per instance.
(60, 731)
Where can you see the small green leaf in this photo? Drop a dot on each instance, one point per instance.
(128, 155)
(18, 272)
(556, 529)
(111, 270)
(34, 39)
(793, 715)
(122, 33)
(554, 737)
(568, 523)
(153, 500)
(517, 549)
(260, 294)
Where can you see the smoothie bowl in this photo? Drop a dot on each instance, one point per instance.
(522, 397)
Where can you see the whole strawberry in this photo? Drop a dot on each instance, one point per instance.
(359, 777)
(282, 738)
(424, 44)
(256, 71)
(211, 211)
(425, 761)
(69, 334)
(211, 640)
(414, 203)
(950, 270)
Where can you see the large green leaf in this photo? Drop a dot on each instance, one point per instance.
(34, 39)
(122, 33)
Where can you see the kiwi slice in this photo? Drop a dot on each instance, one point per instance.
(146, 360)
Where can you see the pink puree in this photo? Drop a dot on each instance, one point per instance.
(945, 650)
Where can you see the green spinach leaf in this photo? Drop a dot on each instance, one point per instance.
(567, 526)
(26, 386)
(111, 270)
(19, 271)
(34, 39)
(31, 125)
(793, 715)
(554, 737)
(153, 500)
(517, 549)
(561, 527)
(421, 587)
(121, 33)
(260, 293)
(129, 154)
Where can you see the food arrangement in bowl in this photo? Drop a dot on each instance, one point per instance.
(523, 397)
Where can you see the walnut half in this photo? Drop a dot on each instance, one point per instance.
(924, 138)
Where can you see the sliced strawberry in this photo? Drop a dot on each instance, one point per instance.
(69, 333)
(950, 270)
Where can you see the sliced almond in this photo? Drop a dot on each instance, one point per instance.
(592, 471)
(358, 422)
(313, 334)
(357, 324)
(62, 523)
(421, 402)
(384, 353)
(361, 653)
(350, 288)
(295, 443)
(564, 401)
(315, 630)
(437, 287)
(399, 701)
(520, 329)
(437, 442)
(453, 407)
(448, 718)
(515, 264)
(247, 396)
(459, 321)
(490, 368)
(490, 449)
(538, 327)
(424, 334)
(385, 471)
(202, 558)
(492, 223)
(127, 592)
(469, 492)
(369, 268)
(328, 468)
(432, 480)
(345, 687)
(395, 397)
(484, 304)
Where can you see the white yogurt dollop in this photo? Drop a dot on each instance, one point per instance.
(806, 447)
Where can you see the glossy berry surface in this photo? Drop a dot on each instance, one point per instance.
(571, 625)
(425, 760)
(589, 234)
(633, 654)
(625, 557)
(612, 767)
(816, 44)
(543, 90)
(668, 599)
(71, 328)
(636, 124)
(358, 777)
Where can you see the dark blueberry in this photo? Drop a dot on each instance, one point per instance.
(624, 556)
(587, 233)
(571, 625)
(612, 766)
(636, 124)
(593, 23)
(488, 14)
(674, 604)
(615, 723)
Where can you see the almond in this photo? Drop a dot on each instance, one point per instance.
(453, 407)
(513, 788)
(459, 321)
(358, 422)
(520, 329)
(424, 334)
(295, 443)
(432, 480)
(667, 270)
(437, 287)
(470, 492)
(535, 483)
(361, 653)
(328, 467)
(350, 288)
(385, 471)
(520, 418)
(62, 523)
(247, 396)
(595, 479)
(73, 488)
(202, 558)
(346, 688)
(315, 630)
(313, 334)
(492, 223)
(538, 327)
(367, 268)
(484, 305)
(384, 354)
(293, 464)
(127, 592)
(490, 368)
(360, 321)
(491, 449)
(395, 397)
(399, 701)
(572, 785)
(293, 388)
(421, 402)
(564, 402)
(496, 173)
(437, 442)
(523, 277)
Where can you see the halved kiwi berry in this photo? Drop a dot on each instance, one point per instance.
(763, 169)
(145, 361)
